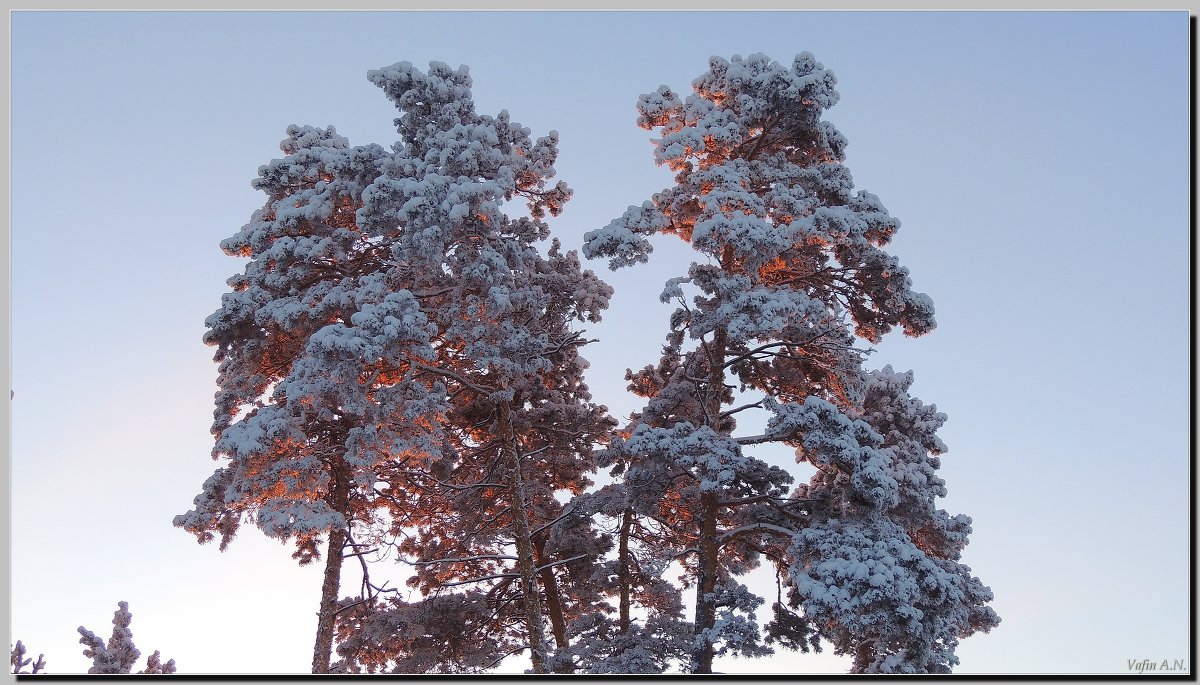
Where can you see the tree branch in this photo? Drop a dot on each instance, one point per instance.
(553, 521)
(462, 559)
(480, 579)
(761, 348)
(451, 374)
(755, 439)
(731, 412)
(564, 561)
(767, 527)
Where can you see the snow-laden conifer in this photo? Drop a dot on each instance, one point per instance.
(791, 270)
(119, 654)
(480, 512)
(319, 343)
(398, 369)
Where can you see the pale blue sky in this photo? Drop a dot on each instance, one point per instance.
(1038, 162)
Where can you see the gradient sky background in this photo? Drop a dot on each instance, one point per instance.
(1038, 162)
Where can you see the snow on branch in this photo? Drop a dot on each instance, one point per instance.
(19, 661)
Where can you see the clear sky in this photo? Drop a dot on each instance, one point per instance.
(1038, 162)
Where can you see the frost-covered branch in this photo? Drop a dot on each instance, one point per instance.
(760, 349)
(19, 661)
(469, 486)
(554, 521)
(481, 557)
(462, 380)
(563, 561)
(744, 407)
(755, 527)
(481, 579)
(756, 439)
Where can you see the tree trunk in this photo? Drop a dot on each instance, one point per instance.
(339, 500)
(624, 577)
(863, 655)
(329, 596)
(706, 581)
(525, 564)
(554, 605)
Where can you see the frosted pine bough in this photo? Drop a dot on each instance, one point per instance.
(792, 271)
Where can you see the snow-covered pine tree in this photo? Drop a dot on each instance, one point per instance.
(318, 344)
(792, 270)
(119, 654)
(485, 525)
